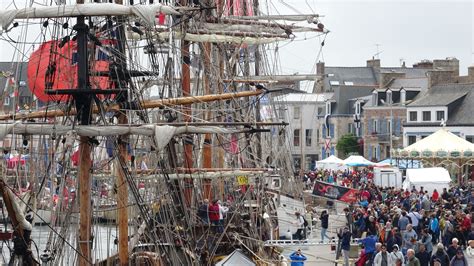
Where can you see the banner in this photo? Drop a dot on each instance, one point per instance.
(330, 191)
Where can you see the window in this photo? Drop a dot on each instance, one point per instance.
(439, 115)
(426, 116)
(357, 108)
(374, 126)
(413, 116)
(296, 137)
(334, 83)
(6, 101)
(349, 83)
(411, 140)
(422, 137)
(350, 128)
(470, 139)
(297, 162)
(296, 112)
(328, 108)
(309, 133)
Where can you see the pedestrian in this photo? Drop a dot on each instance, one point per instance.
(470, 252)
(453, 248)
(383, 258)
(324, 225)
(411, 259)
(397, 256)
(440, 256)
(297, 258)
(300, 226)
(203, 212)
(345, 237)
(214, 216)
(459, 259)
(423, 255)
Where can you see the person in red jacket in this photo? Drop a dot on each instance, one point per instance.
(435, 196)
(214, 214)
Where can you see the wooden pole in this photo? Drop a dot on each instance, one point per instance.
(187, 113)
(84, 201)
(122, 201)
(145, 105)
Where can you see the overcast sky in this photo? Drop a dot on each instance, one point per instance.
(407, 30)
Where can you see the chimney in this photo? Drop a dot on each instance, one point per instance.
(470, 73)
(436, 77)
(374, 63)
(425, 64)
(450, 63)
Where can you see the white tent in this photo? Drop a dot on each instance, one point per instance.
(428, 178)
(357, 160)
(441, 140)
(331, 163)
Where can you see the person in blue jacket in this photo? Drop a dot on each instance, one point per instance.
(297, 258)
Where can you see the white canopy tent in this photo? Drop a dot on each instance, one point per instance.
(357, 160)
(441, 140)
(331, 163)
(428, 178)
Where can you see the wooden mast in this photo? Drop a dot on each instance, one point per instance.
(122, 185)
(187, 113)
(83, 107)
(207, 148)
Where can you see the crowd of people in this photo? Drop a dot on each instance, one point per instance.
(404, 227)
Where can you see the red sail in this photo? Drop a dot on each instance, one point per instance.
(57, 66)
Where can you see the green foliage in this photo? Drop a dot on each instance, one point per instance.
(348, 144)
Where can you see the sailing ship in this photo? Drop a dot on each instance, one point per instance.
(149, 111)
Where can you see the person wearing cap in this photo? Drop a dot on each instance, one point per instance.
(345, 237)
(397, 256)
(459, 259)
(440, 255)
(383, 258)
(297, 258)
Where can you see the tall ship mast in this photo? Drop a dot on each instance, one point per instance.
(151, 140)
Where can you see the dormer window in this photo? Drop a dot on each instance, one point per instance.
(389, 97)
(328, 108)
(357, 108)
(375, 98)
(403, 96)
(334, 83)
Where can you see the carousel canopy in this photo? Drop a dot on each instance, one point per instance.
(442, 143)
(357, 160)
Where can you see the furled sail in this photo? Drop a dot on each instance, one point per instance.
(146, 13)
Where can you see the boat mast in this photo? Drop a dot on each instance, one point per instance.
(84, 110)
(122, 185)
(187, 113)
(207, 147)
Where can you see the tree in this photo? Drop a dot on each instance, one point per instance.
(348, 144)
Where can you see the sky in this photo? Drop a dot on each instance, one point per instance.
(405, 30)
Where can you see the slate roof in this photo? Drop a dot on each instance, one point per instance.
(458, 97)
(357, 75)
(421, 83)
(343, 95)
(409, 71)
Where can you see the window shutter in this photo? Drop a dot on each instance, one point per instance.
(323, 153)
(332, 150)
(371, 123)
(398, 126)
(331, 130)
(370, 152)
(377, 149)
